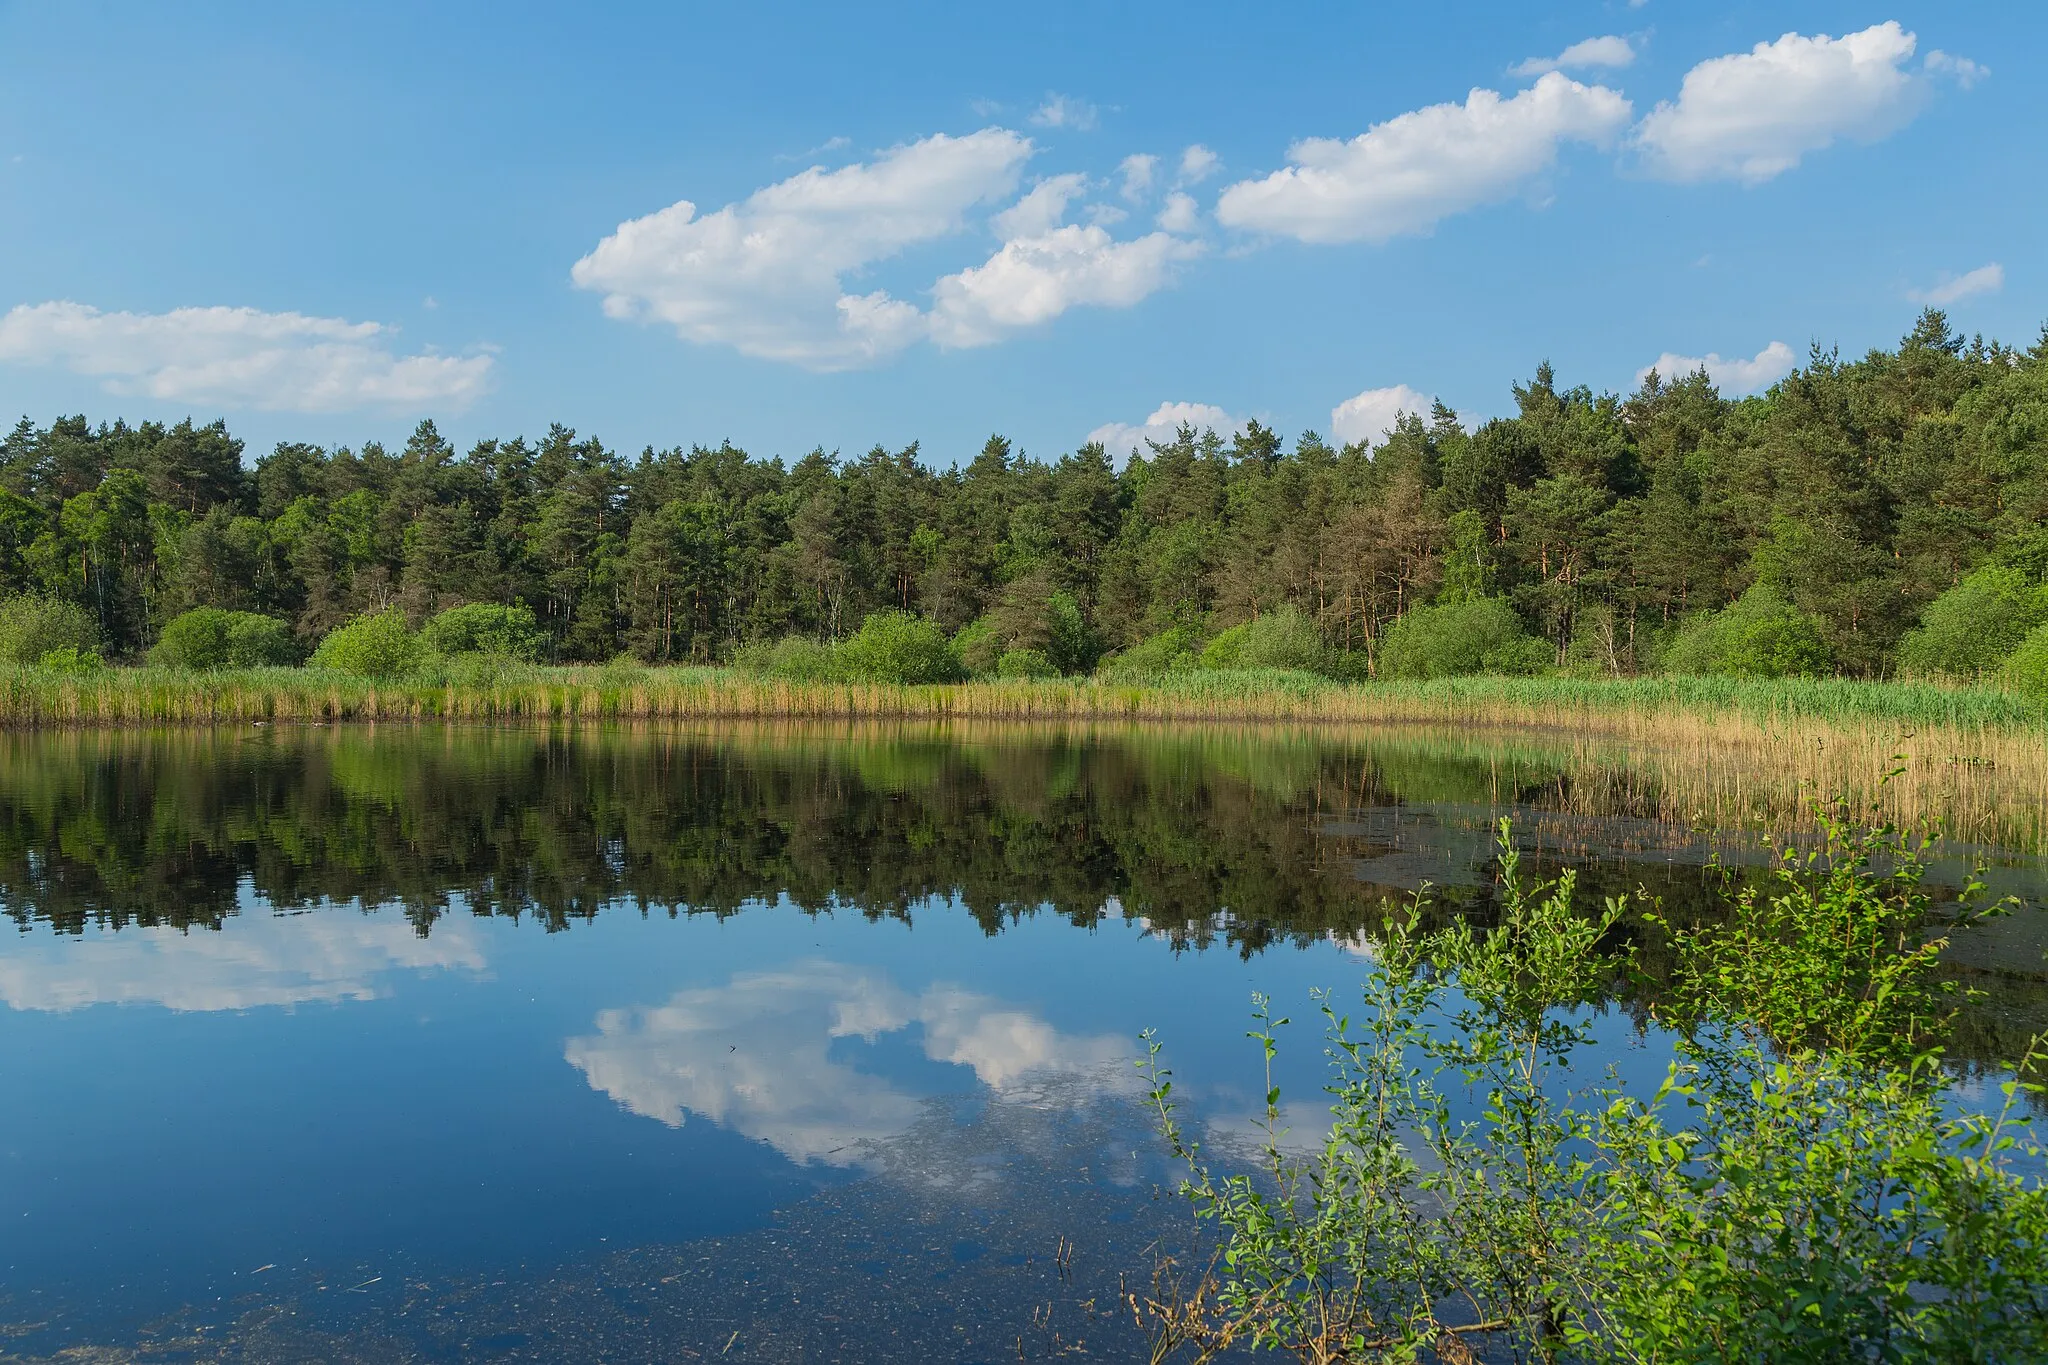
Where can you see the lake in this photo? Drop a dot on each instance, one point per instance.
(759, 1042)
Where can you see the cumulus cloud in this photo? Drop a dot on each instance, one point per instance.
(253, 961)
(764, 275)
(1197, 164)
(1406, 174)
(1609, 52)
(1370, 415)
(765, 1055)
(1137, 172)
(1121, 439)
(240, 358)
(1180, 214)
(1042, 209)
(1043, 268)
(1734, 375)
(1064, 111)
(1032, 280)
(1751, 116)
(1985, 279)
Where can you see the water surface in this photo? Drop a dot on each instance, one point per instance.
(766, 1043)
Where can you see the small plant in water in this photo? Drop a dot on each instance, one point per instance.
(1802, 1184)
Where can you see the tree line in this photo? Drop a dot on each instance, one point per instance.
(1807, 529)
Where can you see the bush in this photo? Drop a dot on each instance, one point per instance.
(1971, 628)
(210, 637)
(1481, 635)
(32, 626)
(377, 645)
(2027, 670)
(71, 659)
(1026, 663)
(979, 647)
(1279, 639)
(792, 659)
(1759, 635)
(897, 647)
(485, 628)
(1171, 651)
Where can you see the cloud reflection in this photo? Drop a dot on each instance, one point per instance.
(255, 960)
(767, 1055)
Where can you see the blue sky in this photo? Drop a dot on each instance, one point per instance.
(326, 223)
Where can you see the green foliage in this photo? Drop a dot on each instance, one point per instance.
(1444, 640)
(1026, 663)
(485, 628)
(378, 646)
(1279, 639)
(72, 659)
(1798, 1187)
(33, 625)
(897, 647)
(793, 659)
(1759, 635)
(1977, 624)
(2027, 670)
(210, 637)
(979, 648)
(1174, 650)
(1856, 496)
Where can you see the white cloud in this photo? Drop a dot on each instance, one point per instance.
(1751, 116)
(1404, 175)
(765, 275)
(1042, 209)
(1032, 280)
(1369, 416)
(1985, 279)
(240, 358)
(758, 1056)
(1138, 171)
(1609, 51)
(253, 961)
(1120, 439)
(1180, 214)
(1065, 111)
(1962, 70)
(1197, 164)
(1735, 375)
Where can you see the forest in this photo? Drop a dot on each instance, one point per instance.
(1879, 517)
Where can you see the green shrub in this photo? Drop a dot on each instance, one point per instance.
(897, 647)
(210, 637)
(72, 659)
(979, 647)
(1170, 651)
(1026, 663)
(1971, 628)
(1759, 635)
(1450, 639)
(2027, 670)
(33, 625)
(793, 659)
(1279, 639)
(377, 645)
(485, 628)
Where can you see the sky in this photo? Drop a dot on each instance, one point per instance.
(797, 226)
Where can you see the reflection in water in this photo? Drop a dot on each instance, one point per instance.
(267, 960)
(759, 1055)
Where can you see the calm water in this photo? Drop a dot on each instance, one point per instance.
(761, 1043)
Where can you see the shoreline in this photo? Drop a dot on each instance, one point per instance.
(1630, 707)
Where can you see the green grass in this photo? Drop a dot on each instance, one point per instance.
(35, 697)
